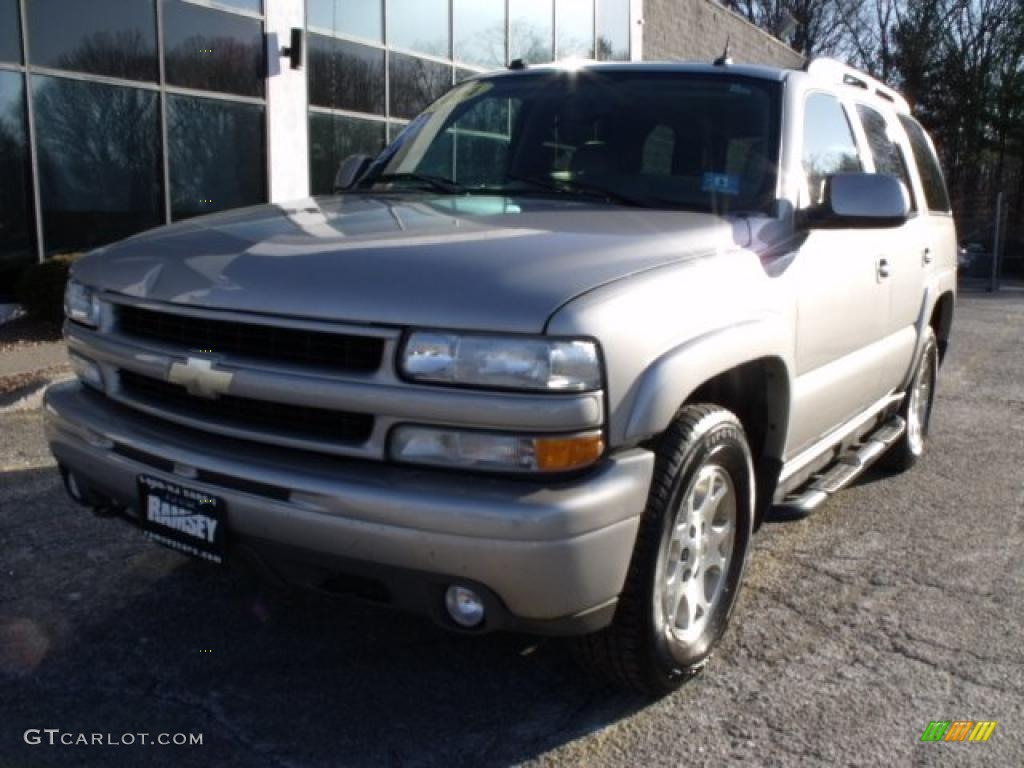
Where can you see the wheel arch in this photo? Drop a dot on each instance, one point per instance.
(941, 321)
(744, 373)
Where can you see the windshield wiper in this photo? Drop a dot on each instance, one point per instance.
(438, 183)
(570, 186)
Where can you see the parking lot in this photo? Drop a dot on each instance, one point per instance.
(899, 603)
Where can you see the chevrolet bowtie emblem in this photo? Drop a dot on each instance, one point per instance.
(198, 376)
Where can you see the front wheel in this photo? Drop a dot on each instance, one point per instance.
(689, 557)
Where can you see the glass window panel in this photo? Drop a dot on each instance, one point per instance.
(16, 225)
(530, 30)
(887, 154)
(213, 50)
(99, 161)
(480, 32)
(828, 143)
(116, 38)
(419, 25)
(575, 28)
(613, 30)
(332, 138)
(361, 18)
(415, 83)
(935, 194)
(217, 155)
(345, 75)
(10, 31)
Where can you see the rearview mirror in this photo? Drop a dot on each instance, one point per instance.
(859, 201)
(350, 171)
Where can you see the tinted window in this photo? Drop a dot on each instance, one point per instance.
(10, 33)
(530, 32)
(828, 143)
(212, 50)
(480, 32)
(419, 25)
(613, 30)
(345, 75)
(116, 38)
(99, 161)
(576, 28)
(415, 83)
(663, 140)
(332, 138)
(885, 151)
(16, 226)
(360, 18)
(934, 184)
(216, 154)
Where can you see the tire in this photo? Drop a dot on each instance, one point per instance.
(703, 455)
(916, 409)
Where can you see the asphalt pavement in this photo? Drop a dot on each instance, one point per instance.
(900, 603)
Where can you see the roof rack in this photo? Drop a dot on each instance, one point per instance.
(839, 73)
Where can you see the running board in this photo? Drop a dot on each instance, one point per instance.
(840, 473)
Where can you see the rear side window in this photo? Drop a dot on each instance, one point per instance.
(829, 146)
(935, 194)
(887, 153)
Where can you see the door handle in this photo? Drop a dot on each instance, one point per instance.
(882, 269)
(926, 256)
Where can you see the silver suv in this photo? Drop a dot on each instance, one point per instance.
(545, 364)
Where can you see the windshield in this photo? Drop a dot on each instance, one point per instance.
(656, 139)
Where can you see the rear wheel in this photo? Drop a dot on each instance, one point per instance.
(916, 410)
(688, 560)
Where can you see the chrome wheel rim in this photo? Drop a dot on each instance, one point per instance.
(920, 402)
(695, 563)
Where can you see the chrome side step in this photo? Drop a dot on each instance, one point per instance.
(840, 473)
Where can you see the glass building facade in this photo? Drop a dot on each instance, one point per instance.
(120, 115)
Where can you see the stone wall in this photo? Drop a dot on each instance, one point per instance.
(696, 30)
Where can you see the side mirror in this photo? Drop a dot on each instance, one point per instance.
(859, 201)
(350, 171)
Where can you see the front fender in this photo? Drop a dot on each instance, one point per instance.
(667, 383)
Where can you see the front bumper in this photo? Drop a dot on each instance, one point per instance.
(551, 556)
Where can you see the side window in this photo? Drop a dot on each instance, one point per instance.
(659, 148)
(829, 146)
(887, 153)
(935, 194)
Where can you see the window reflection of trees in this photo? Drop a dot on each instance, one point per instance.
(216, 152)
(345, 75)
(126, 54)
(15, 238)
(224, 64)
(485, 48)
(415, 83)
(99, 161)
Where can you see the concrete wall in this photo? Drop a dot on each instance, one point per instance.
(697, 30)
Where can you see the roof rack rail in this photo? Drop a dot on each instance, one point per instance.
(837, 72)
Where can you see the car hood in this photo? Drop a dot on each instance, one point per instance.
(489, 263)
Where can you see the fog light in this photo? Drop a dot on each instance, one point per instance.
(464, 606)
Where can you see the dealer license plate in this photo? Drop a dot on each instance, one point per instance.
(182, 518)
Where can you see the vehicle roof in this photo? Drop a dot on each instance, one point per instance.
(694, 67)
(825, 71)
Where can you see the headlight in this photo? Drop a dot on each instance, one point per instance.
(502, 362)
(81, 304)
(494, 451)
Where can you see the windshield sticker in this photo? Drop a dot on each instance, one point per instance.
(722, 183)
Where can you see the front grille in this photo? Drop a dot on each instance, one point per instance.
(335, 351)
(293, 421)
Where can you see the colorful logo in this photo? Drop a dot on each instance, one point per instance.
(958, 730)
